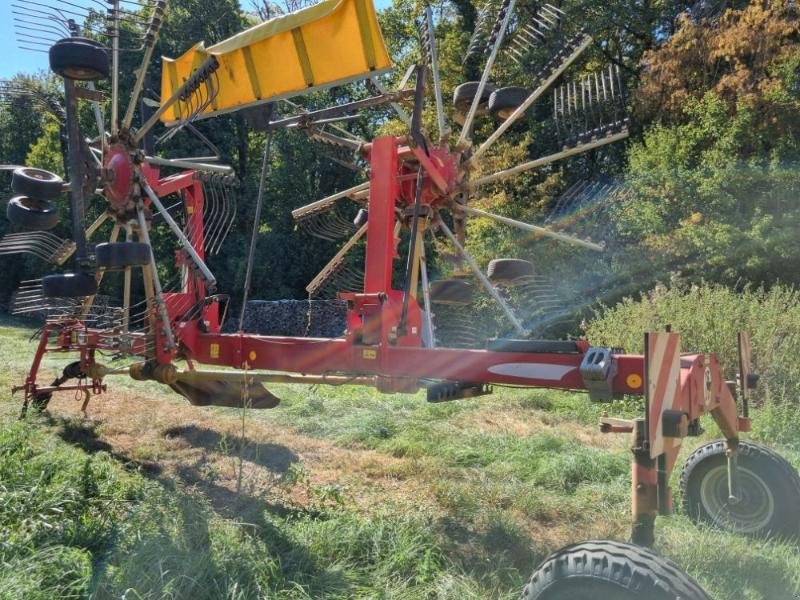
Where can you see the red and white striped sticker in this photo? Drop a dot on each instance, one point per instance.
(663, 380)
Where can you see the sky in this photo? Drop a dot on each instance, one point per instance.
(13, 60)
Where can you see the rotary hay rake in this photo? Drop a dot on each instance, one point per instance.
(419, 184)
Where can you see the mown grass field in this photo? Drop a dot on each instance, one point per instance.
(337, 493)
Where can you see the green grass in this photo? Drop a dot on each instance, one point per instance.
(78, 521)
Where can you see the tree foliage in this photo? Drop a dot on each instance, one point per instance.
(711, 175)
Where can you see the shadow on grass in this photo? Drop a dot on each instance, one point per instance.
(500, 550)
(83, 434)
(273, 457)
(497, 551)
(175, 551)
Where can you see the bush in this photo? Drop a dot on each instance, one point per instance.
(708, 318)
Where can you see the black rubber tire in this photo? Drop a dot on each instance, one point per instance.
(464, 94)
(36, 183)
(507, 270)
(69, 285)
(32, 213)
(608, 570)
(79, 58)
(769, 503)
(451, 291)
(506, 100)
(118, 255)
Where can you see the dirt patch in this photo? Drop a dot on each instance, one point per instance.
(241, 468)
(245, 469)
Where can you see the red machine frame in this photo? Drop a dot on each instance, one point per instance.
(376, 351)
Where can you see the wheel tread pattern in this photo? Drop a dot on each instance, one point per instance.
(633, 568)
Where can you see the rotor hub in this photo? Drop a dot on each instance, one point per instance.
(120, 169)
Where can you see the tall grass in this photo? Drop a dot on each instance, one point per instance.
(77, 525)
(708, 318)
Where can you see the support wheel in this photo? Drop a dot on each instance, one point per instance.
(507, 270)
(36, 183)
(464, 95)
(451, 291)
(607, 570)
(769, 491)
(118, 255)
(506, 100)
(69, 285)
(79, 58)
(32, 213)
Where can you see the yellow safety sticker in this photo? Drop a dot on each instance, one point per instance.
(214, 350)
(369, 354)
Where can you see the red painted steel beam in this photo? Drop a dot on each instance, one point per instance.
(321, 355)
(383, 193)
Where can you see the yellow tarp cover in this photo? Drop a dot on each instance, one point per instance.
(330, 43)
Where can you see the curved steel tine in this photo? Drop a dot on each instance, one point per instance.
(219, 224)
(219, 215)
(232, 218)
(466, 131)
(209, 212)
(226, 216)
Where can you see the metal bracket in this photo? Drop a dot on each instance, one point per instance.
(455, 390)
(598, 369)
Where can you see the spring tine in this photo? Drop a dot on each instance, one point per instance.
(531, 33)
(231, 219)
(544, 25)
(211, 210)
(224, 215)
(43, 20)
(219, 222)
(214, 225)
(41, 28)
(557, 12)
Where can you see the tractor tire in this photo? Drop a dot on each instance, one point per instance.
(451, 291)
(506, 100)
(507, 270)
(69, 285)
(36, 183)
(608, 570)
(118, 255)
(79, 58)
(769, 490)
(464, 95)
(31, 213)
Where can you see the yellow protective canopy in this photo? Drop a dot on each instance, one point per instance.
(330, 43)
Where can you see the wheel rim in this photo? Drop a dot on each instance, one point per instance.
(755, 508)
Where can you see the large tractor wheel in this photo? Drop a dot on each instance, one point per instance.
(607, 570)
(769, 491)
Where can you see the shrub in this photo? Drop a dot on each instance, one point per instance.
(708, 318)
